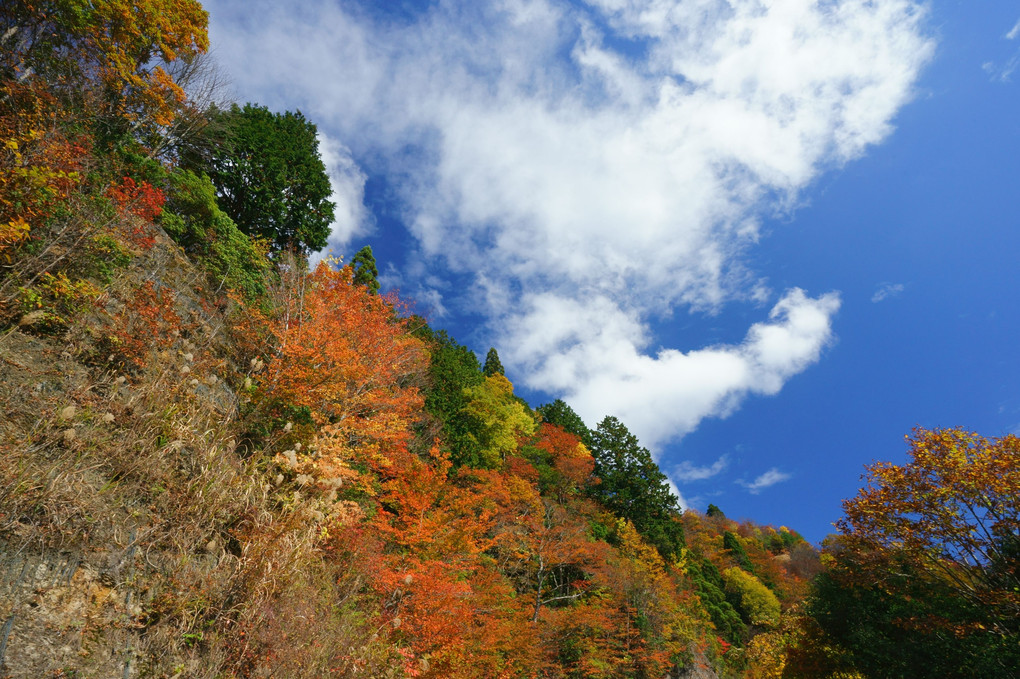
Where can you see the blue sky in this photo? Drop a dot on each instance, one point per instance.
(771, 237)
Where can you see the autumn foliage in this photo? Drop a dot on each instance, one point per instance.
(115, 51)
(484, 570)
(953, 510)
(40, 165)
(924, 572)
(343, 355)
(404, 513)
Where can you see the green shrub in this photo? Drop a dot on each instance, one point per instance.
(208, 235)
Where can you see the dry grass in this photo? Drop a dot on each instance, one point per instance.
(190, 559)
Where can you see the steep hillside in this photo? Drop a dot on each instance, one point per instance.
(218, 462)
(138, 538)
(175, 503)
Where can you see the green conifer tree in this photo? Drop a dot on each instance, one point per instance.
(635, 488)
(492, 364)
(365, 270)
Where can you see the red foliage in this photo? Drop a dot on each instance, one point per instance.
(141, 199)
(146, 323)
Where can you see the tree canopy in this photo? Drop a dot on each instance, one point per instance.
(954, 511)
(453, 368)
(634, 487)
(756, 602)
(270, 178)
(927, 561)
(113, 50)
(496, 420)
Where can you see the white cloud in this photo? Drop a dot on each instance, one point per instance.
(594, 354)
(352, 218)
(769, 478)
(887, 290)
(1013, 32)
(687, 471)
(680, 499)
(1004, 73)
(588, 187)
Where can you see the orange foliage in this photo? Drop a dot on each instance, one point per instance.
(472, 569)
(110, 47)
(953, 511)
(455, 621)
(343, 353)
(454, 614)
(431, 517)
(570, 458)
(547, 551)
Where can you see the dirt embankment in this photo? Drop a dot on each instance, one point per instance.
(119, 481)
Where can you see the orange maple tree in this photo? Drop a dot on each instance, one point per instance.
(455, 613)
(953, 510)
(345, 355)
(115, 47)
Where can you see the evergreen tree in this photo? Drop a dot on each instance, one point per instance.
(492, 365)
(732, 544)
(365, 270)
(634, 487)
(269, 176)
(558, 413)
(453, 369)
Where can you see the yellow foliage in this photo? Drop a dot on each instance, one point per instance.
(500, 419)
(12, 233)
(766, 656)
(757, 602)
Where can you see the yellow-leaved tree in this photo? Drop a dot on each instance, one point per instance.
(498, 419)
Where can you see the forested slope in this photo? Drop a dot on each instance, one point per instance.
(220, 462)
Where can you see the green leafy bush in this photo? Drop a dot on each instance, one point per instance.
(208, 235)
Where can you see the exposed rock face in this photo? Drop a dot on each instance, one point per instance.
(698, 668)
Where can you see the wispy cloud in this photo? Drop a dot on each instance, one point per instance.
(1004, 72)
(887, 290)
(687, 471)
(769, 478)
(1013, 32)
(593, 166)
